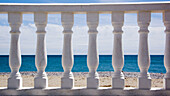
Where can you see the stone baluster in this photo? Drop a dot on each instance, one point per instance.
(67, 81)
(92, 56)
(41, 80)
(144, 80)
(117, 57)
(166, 20)
(15, 79)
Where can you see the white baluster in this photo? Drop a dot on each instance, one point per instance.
(144, 80)
(67, 81)
(41, 80)
(117, 58)
(92, 56)
(166, 20)
(15, 79)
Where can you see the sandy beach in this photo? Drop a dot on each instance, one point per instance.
(54, 79)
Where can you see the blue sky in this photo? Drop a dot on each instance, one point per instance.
(80, 36)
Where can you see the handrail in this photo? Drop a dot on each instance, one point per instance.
(85, 7)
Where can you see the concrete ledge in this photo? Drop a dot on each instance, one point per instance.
(85, 7)
(83, 91)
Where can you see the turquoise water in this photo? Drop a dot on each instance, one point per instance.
(80, 63)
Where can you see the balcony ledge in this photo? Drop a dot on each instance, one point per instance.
(83, 91)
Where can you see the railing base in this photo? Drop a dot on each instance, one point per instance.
(144, 83)
(67, 83)
(166, 83)
(40, 83)
(83, 91)
(92, 83)
(118, 83)
(15, 83)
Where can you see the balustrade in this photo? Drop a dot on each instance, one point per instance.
(92, 11)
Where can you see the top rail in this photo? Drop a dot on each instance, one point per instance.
(84, 7)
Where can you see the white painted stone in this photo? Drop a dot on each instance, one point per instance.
(166, 83)
(41, 79)
(93, 83)
(92, 56)
(92, 10)
(144, 81)
(81, 91)
(15, 79)
(117, 83)
(67, 81)
(166, 20)
(117, 57)
(127, 7)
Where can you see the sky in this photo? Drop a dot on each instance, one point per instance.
(54, 36)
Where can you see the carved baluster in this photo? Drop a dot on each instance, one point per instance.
(15, 79)
(67, 81)
(117, 58)
(166, 20)
(92, 56)
(41, 80)
(144, 80)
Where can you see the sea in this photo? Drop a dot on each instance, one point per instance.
(54, 63)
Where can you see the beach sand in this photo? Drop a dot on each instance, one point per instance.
(54, 79)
